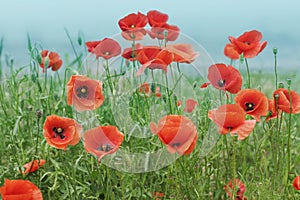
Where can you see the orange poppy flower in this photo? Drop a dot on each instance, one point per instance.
(133, 21)
(254, 102)
(156, 18)
(102, 140)
(54, 60)
(224, 78)
(133, 26)
(168, 32)
(190, 105)
(230, 189)
(145, 89)
(183, 53)
(107, 49)
(33, 166)
(272, 111)
(20, 190)
(153, 57)
(285, 98)
(60, 132)
(296, 183)
(230, 118)
(177, 132)
(247, 44)
(92, 45)
(131, 54)
(158, 195)
(157, 92)
(84, 93)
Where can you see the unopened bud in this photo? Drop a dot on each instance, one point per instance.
(280, 85)
(275, 50)
(289, 81)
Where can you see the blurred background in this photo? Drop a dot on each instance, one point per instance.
(207, 22)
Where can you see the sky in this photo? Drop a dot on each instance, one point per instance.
(207, 22)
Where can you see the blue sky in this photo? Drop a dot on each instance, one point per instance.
(208, 22)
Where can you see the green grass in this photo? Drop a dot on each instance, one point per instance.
(28, 96)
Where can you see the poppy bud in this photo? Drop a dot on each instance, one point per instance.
(39, 113)
(289, 81)
(280, 85)
(79, 40)
(275, 50)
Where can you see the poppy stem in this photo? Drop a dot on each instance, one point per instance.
(168, 93)
(289, 131)
(234, 142)
(275, 66)
(108, 76)
(248, 74)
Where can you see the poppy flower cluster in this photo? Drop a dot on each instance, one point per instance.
(133, 26)
(154, 57)
(50, 59)
(147, 90)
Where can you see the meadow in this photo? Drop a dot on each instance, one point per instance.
(147, 114)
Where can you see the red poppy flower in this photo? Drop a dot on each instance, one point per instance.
(156, 18)
(288, 99)
(130, 53)
(296, 183)
(230, 188)
(230, 118)
(190, 105)
(33, 166)
(177, 132)
(20, 190)
(168, 32)
(157, 92)
(60, 132)
(145, 89)
(247, 44)
(272, 111)
(183, 53)
(254, 102)
(84, 93)
(92, 45)
(153, 57)
(158, 195)
(224, 78)
(107, 49)
(133, 21)
(102, 140)
(54, 60)
(133, 26)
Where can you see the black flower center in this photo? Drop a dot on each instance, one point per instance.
(105, 147)
(82, 92)
(221, 83)
(249, 106)
(177, 144)
(58, 132)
